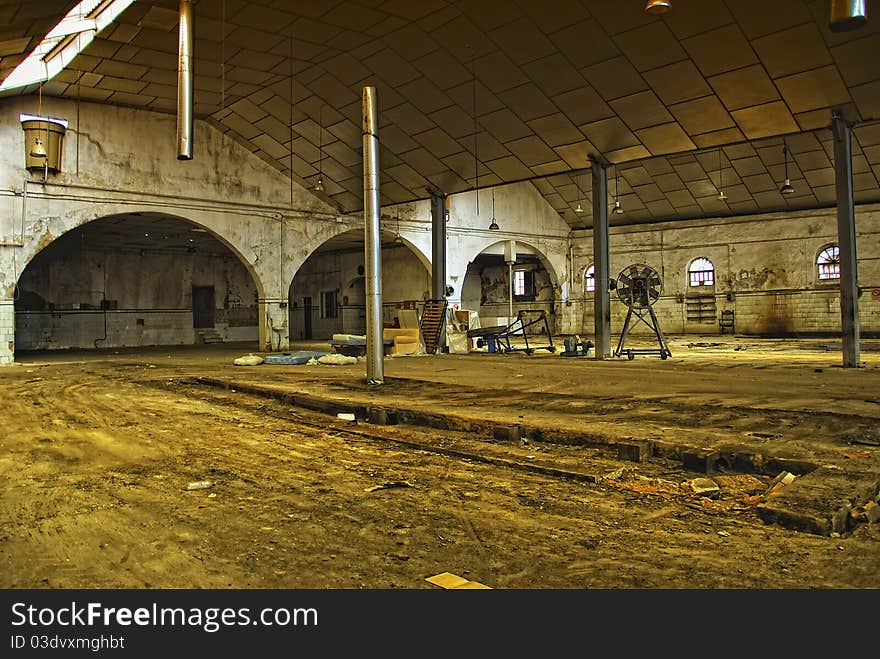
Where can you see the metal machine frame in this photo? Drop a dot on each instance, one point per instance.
(638, 287)
(499, 335)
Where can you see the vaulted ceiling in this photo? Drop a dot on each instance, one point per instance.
(473, 93)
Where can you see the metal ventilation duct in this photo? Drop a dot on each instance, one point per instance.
(185, 83)
(847, 15)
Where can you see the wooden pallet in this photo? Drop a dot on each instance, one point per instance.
(431, 323)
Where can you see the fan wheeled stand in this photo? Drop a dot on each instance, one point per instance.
(638, 287)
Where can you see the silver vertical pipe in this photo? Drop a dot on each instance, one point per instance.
(438, 245)
(185, 83)
(846, 237)
(601, 258)
(847, 15)
(372, 239)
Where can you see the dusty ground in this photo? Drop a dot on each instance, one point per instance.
(96, 451)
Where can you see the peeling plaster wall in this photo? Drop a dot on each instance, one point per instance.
(120, 160)
(522, 215)
(150, 299)
(765, 272)
(405, 281)
(487, 291)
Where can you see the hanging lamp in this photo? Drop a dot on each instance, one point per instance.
(39, 149)
(494, 225)
(787, 187)
(476, 157)
(319, 185)
(397, 237)
(618, 209)
(578, 209)
(721, 195)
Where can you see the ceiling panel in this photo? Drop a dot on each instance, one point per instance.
(556, 82)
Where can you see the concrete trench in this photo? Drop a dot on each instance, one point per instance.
(820, 500)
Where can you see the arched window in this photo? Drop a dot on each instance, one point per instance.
(828, 263)
(590, 279)
(701, 273)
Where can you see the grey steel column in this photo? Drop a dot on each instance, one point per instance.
(185, 83)
(438, 245)
(372, 239)
(601, 259)
(846, 237)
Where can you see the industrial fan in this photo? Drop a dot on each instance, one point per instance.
(638, 287)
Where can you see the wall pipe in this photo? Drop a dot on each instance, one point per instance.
(20, 242)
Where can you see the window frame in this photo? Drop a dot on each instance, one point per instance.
(329, 311)
(702, 278)
(528, 279)
(590, 279)
(828, 270)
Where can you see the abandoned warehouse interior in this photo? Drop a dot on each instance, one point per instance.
(678, 202)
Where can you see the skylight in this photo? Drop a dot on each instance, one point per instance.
(65, 41)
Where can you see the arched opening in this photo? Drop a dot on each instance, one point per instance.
(136, 279)
(701, 273)
(700, 304)
(828, 263)
(328, 293)
(590, 280)
(487, 284)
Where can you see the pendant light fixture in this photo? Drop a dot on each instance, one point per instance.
(319, 186)
(657, 7)
(397, 237)
(493, 225)
(618, 209)
(39, 149)
(787, 187)
(578, 209)
(721, 195)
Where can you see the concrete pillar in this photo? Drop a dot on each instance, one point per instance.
(274, 325)
(438, 245)
(601, 259)
(846, 236)
(7, 332)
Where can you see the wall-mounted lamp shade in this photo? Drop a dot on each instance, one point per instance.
(847, 15)
(658, 6)
(43, 142)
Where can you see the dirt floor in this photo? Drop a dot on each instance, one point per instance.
(97, 450)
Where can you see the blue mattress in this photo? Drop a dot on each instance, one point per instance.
(301, 357)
